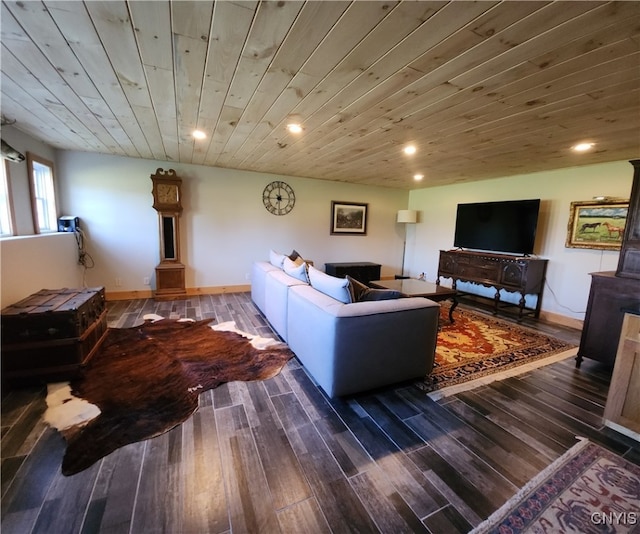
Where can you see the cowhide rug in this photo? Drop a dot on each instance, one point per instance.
(145, 380)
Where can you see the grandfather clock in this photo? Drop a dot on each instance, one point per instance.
(167, 201)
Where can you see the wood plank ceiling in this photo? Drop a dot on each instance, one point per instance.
(483, 89)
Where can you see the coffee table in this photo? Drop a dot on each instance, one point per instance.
(410, 287)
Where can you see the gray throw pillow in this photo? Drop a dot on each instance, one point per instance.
(381, 294)
(362, 293)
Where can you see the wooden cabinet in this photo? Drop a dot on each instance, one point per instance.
(364, 271)
(629, 261)
(608, 296)
(612, 291)
(518, 274)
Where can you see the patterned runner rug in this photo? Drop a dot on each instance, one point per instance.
(477, 349)
(588, 490)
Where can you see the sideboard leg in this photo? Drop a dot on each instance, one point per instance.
(521, 304)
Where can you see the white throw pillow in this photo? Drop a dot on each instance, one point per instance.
(276, 259)
(338, 288)
(297, 271)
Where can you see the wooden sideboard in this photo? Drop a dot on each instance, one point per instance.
(518, 274)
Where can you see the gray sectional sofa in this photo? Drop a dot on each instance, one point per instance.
(346, 346)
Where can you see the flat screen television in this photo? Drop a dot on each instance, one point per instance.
(503, 226)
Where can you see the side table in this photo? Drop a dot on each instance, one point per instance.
(362, 271)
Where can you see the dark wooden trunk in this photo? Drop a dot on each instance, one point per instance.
(51, 334)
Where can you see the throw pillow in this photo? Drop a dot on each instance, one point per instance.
(296, 257)
(356, 288)
(362, 293)
(297, 271)
(338, 288)
(380, 294)
(276, 259)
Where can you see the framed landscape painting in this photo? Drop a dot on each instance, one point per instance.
(348, 218)
(597, 224)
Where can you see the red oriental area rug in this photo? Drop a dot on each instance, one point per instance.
(588, 489)
(477, 349)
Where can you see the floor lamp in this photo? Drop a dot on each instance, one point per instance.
(406, 217)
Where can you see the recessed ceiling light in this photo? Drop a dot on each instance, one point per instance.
(409, 149)
(582, 147)
(418, 177)
(199, 134)
(294, 128)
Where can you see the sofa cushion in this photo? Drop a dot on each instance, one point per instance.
(276, 259)
(338, 288)
(363, 293)
(298, 271)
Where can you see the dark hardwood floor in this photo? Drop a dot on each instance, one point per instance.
(279, 456)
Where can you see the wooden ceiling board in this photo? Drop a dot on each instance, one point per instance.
(406, 96)
(230, 26)
(350, 28)
(115, 113)
(519, 79)
(484, 89)
(24, 59)
(311, 31)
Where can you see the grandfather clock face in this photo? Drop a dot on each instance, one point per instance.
(167, 193)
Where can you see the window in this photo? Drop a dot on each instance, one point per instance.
(43, 197)
(6, 219)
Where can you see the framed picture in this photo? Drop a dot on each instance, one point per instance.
(597, 224)
(348, 218)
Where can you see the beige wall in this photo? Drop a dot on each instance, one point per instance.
(224, 226)
(31, 263)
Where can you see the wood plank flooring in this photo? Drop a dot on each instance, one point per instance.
(278, 456)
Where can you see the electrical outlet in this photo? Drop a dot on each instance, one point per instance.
(146, 281)
(247, 276)
(118, 282)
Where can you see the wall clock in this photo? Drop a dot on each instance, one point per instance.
(278, 198)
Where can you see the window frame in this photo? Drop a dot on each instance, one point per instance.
(31, 159)
(10, 210)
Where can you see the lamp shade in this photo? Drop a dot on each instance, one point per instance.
(407, 216)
